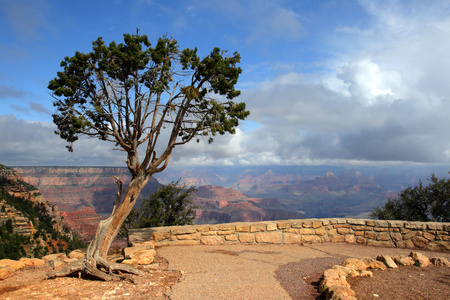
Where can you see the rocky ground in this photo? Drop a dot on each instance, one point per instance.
(31, 283)
(409, 282)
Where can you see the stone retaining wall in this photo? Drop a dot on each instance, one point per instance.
(403, 234)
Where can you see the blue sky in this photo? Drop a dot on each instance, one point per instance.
(327, 82)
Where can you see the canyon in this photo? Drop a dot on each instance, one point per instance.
(85, 195)
(30, 225)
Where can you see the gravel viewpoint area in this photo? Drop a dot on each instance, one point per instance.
(241, 272)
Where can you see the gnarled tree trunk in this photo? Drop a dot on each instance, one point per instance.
(94, 262)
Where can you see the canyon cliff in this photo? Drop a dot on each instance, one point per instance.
(85, 195)
(223, 205)
(30, 225)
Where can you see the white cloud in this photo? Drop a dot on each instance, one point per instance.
(387, 99)
(34, 143)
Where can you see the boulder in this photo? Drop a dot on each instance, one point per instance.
(403, 260)
(420, 259)
(139, 255)
(388, 261)
(6, 272)
(77, 254)
(32, 261)
(374, 264)
(345, 271)
(15, 264)
(331, 278)
(55, 256)
(440, 261)
(355, 264)
(339, 292)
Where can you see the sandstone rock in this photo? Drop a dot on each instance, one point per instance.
(211, 240)
(420, 259)
(337, 238)
(140, 255)
(374, 264)
(182, 230)
(160, 236)
(256, 227)
(345, 271)
(366, 274)
(440, 261)
(420, 242)
(147, 244)
(6, 272)
(76, 254)
(321, 231)
(246, 238)
(55, 256)
(403, 260)
(311, 239)
(32, 261)
(354, 264)
(439, 246)
(429, 236)
(268, 237)
(292, 238)
(15, 264)
(131, 262)
(231, 238)
(388, 261)
(339, 292)
(350, 238)
(56, 263)
(271, 226)
(242, 227)
(188, 243)
(195, 236)
(331, 278)
(405, 244)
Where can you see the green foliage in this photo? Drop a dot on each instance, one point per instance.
(12, 244)
(170, 205)
(110, 92)
(419, 203)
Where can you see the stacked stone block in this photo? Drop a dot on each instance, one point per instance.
(403, 234)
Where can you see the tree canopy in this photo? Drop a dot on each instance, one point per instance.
(419, 203)
(129, 93)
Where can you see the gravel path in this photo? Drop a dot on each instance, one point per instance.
(261, 271)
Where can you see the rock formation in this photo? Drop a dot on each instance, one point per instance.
(33, 225)
(74, 188)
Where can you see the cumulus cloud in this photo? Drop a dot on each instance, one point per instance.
(386, 100)
(374, 90)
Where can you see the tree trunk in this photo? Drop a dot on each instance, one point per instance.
(94, 262)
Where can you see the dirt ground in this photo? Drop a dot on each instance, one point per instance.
(31, 283)
(300, 279)
(405, 283)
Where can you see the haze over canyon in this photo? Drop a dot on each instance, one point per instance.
(230, 194)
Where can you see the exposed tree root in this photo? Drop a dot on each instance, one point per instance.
(101, 269)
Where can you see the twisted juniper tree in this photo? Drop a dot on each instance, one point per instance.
(141, 97)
